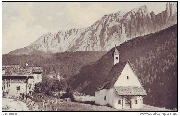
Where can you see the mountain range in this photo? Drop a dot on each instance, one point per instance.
(111, 29)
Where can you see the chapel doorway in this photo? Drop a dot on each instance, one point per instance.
(128, 103)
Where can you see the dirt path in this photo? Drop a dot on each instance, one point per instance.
(13, 105)
(16, 105)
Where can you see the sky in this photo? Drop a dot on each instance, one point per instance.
(25, 22)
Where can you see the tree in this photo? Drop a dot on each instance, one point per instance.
(62, 85)
(68, 94)
(38, 88)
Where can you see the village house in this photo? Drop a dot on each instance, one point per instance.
(123, 90)
(18, 80)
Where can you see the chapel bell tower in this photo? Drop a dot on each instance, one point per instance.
(116, 55)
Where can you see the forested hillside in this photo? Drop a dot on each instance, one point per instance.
(66, 63)
(154, 60)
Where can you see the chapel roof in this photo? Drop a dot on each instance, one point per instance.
(129, 90)
(114, 74)
(121, 90)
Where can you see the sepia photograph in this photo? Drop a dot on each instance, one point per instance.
(89, 56)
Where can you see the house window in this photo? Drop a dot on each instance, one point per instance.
(119, 102)
(18, 88)
(135, 101)
(127, 77)
(104, 97)
(116, 58)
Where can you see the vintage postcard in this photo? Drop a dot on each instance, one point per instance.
(89, 56)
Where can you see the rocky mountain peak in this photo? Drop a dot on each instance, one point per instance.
(143, 8)
(111, 29)
(171, 8)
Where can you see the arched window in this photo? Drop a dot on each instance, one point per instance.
(127, 77)
(119, 101)
(116, 58)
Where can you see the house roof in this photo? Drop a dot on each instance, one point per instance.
(17, 70)
(37, 69)
(17, 77)
(121, 90)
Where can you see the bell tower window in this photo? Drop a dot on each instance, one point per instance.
(18, 88)
(116, 55)
(104, 97)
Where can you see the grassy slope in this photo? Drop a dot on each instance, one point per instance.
(67, 63)
(154, 60)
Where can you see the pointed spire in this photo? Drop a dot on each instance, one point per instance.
(116, 52)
